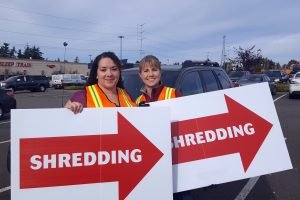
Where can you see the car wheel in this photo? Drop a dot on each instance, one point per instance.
(291, 96)
(274, 91)
(42, 88)
(1, 112)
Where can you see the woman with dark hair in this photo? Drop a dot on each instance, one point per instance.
(104, 86)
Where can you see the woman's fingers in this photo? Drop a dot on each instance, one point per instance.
(75, 107)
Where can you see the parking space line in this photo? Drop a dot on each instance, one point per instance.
(280, 97)
(247, 188)
(4, 189)
(5, 122)
(6, 141)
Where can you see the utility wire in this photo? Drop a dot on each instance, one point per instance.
(64, 18)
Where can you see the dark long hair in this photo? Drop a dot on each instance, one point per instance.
(93, 73)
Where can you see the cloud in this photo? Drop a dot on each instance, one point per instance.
(173, 29)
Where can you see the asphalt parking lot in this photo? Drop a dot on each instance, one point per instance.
(282, 185)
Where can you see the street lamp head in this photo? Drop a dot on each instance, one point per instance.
(65, 44)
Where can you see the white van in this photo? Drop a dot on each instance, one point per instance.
(61, 80)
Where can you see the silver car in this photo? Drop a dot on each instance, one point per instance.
(294, 86)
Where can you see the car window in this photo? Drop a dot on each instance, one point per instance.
(210, 80)
(191, 84)
(297, 75)
(234, 74)
(266, 78)
(225, 82)
(132, 84)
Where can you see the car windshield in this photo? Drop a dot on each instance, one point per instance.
(168, 78)
(253, 78)
(273, 73)
(132, 84)
(13, 78)
(234, 74)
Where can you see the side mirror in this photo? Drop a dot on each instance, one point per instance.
(18, 80)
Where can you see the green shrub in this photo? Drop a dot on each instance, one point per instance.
(73, 87)
(282, 87)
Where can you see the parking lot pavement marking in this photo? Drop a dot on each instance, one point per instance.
(6, 141)
(5, 122)
(280, 97)
(4, 189)
(247, 188)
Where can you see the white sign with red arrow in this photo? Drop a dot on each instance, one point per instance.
(224, 136)
(111, 153)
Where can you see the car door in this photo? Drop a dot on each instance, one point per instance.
(20, 83)
(31, 82)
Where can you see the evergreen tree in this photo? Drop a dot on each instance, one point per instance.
(4, 50)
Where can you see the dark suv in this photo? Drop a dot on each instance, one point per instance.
(188, 80)
(27, 82)
(277, 76)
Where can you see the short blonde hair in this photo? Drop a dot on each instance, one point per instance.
(151, 60)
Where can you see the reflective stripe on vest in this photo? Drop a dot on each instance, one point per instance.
(95, 96)
(125, 97)
(169, 93)
(139, 99)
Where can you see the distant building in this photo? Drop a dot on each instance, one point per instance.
(13, 66)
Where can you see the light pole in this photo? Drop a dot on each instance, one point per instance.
(65, 45)
(62, 98)
(121, 37)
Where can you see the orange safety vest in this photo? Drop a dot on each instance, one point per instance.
(96, 98)
(166, 93)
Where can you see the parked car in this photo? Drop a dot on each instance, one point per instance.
(188, 80)
(27, 82)
(258, 78)
(277, 76)
(235, 76)
(62, 80)
(294, 86)
(7, 101)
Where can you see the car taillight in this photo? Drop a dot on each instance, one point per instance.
(10, 93)
(235, 84)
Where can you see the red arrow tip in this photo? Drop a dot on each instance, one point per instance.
(133, 173)
(248, 147)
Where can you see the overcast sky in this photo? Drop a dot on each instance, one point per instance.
(172, 30)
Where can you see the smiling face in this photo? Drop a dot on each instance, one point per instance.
(150, 75)
(108, 74)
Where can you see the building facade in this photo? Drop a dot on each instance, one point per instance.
(13, 66)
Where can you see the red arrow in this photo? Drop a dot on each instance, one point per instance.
(128, 174)
(238, 115)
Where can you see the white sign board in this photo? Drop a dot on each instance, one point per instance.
(225, 136)
(110, 153)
